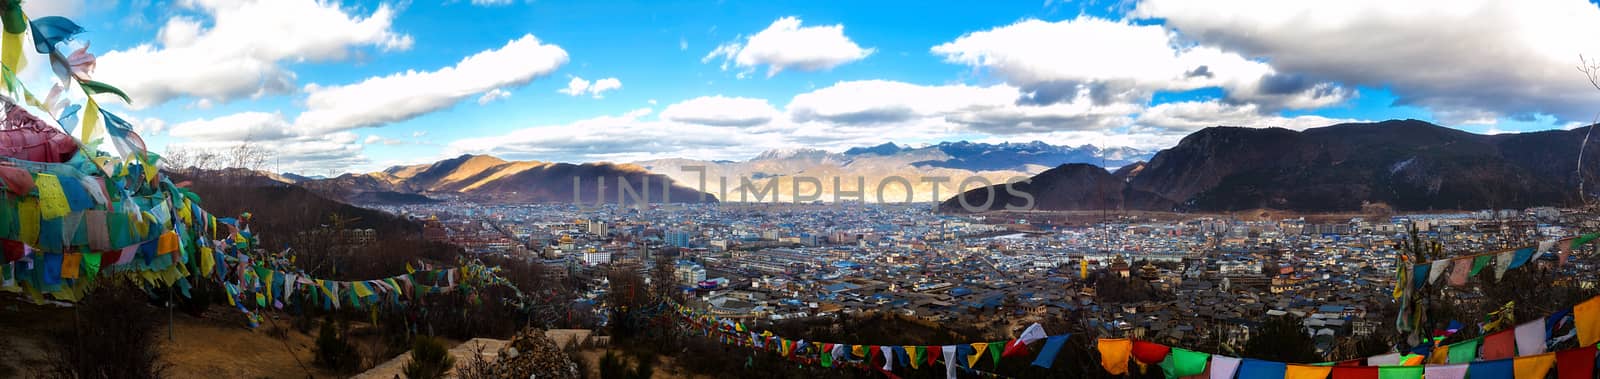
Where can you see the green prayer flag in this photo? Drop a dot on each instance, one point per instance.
(1479, 263)
(91, 264)
(1186, 362)
(1584, 239)
(1400, 372)
(94, 87)
(994, 351)
(1464, 351)
(827, 359)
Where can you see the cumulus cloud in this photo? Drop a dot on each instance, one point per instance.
(243, 50)
(785, 45)
(621, 138)
(1119, 62)
(1464, 60)
(376, 139)
(337, 151)
(721, 111)
(243, 126)
(999, 109)
(579, 87)
(41, 8)
(493, 95)
(398, 97)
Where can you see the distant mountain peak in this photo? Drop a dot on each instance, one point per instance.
(787, 153)
(887, 148)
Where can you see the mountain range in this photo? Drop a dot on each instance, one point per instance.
(489, 179)
(1404, 164)
(875, 166)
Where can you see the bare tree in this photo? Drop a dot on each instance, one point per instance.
(1591, 71)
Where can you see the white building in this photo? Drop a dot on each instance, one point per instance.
(594, 258)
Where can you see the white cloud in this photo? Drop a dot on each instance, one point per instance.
(402, 96)
(493, 95)
(149, 126)
(41, 8)
(376, 139)
(579, 87)
(244, 126)
(1463, 59)
(337, 152)
(721, 111)
(623, 138)
(1189, 116)
(243, 51)
(1118, 62)
(998, 109)
(785, 44)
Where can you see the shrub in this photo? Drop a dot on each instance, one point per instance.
(333, 352)
(429, 359)
(114, 336)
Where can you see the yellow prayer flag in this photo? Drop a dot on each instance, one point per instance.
(972, 360)
(69, 265)
(28, 220)
(11, 51)
(88, 133)
(1533, 366)
(207, 261)
(168, 243)
(52, 199)
(1114, 355)
(1587, 317)
(1307, 372)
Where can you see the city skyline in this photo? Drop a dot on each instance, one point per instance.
(574, 82)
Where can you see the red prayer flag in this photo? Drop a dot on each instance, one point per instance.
(1354, 372)
(1575, 363)
(1500, 345)
(1150, 352)
(933, 354)
(1016, 348)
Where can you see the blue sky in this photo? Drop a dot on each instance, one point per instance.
(325, 84)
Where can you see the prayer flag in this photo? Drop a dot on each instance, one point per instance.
(1188, 362)
(1576, 363)
(1114, 355)
(1307, 372)
(1223, 367)
(1464, 351)
(1150, 352)
(1501, 368)
(1456, 371)
(978, 348)
(1355, 372)
(1478, 263)
(1400, 372)
(1530, 338)
(1500, 345)
(1587, 317)
(1460, 270)
(951, 361)
(1533, 366)
(1259, 369)
(1047, 355)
